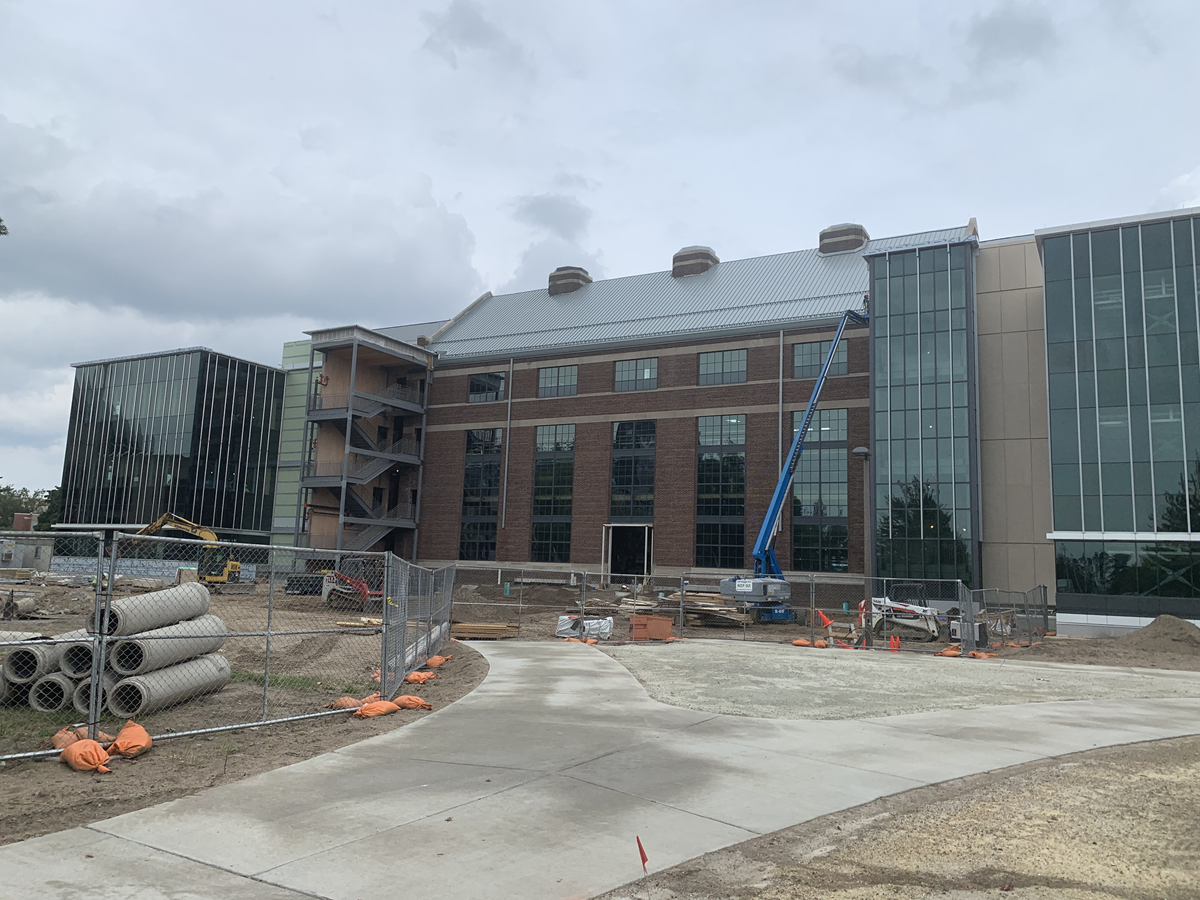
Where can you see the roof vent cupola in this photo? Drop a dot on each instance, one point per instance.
(693, 261)
(840, 238)
(566, 279)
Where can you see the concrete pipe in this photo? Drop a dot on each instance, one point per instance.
(155, 609)
(11, 694)
(83, 692)
(52, 692)
(152, 650)
(25, 665)
(140, 694)
(75, 658)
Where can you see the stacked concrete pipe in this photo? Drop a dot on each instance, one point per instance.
(151, 650)
(83, 692)
(52, 692)
(75, 658)
(28, 663)
(140, 694)
(155, 609)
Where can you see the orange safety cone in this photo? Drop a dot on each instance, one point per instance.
(894, 643)
(825, 620)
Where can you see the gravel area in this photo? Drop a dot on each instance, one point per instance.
(784, 682)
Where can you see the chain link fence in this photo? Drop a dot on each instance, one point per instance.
(189, 636)
(539, 603)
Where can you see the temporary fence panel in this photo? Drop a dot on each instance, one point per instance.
(191, 636)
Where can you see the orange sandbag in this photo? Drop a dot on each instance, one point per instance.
(378, 708)
(132, 740)
(590, 641)
(408, 701)
(979, 654)
(344, 703)
(434, 661)
(65, 737)
(86, 756)
(81, 733)
(568, 641)
(801, 642)
(375, 675)
(370, 698)
(1050, 634)
(420, 677)
(1013, 644)
(821, 644)
(950, 651)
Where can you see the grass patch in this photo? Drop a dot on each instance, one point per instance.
(323, 685)
(24, 729)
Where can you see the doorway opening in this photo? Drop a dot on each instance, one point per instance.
(628, 549)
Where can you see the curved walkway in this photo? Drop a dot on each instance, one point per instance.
(535, 786)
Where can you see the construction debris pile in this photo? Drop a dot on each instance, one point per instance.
(161, 651)
(703, 609)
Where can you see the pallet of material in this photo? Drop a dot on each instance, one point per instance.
(483, 630)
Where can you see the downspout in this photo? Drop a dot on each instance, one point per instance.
(507, 440)
(346, 450)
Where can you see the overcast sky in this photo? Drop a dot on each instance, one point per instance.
(231, 174)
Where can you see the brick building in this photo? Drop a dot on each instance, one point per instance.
(638, 424)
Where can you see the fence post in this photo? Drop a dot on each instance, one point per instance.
(270, 618)
(520, 598)
(682, 588)
(1045, 592)
(812, 607)
(97, 685)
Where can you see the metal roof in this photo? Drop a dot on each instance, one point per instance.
(765, 291)
(921, 239)
(179, 352)
(409, 333)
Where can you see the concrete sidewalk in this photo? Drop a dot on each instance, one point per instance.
(535, 786)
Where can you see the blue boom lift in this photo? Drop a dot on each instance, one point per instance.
(766, 590)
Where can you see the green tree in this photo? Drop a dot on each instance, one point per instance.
(51, 514)
(15, 500)
(3, 227)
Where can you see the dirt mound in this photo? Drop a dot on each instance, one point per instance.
(1166, 634)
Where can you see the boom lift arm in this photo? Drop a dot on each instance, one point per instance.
(765, 562)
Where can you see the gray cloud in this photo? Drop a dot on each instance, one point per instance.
(541, 258)
(888, 72)
(1012, 33)
(464, 28)
(559, 214)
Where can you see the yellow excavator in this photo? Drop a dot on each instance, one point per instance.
(215, 565)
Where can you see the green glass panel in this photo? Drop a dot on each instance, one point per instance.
(1060, 312)
(1056, 256)
(1156, 246)
(1110, 388)
(1089, 451)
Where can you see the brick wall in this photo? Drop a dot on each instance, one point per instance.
(675, 405)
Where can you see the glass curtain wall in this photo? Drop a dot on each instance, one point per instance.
(924, 442)
(1123, 370)
(194, 433)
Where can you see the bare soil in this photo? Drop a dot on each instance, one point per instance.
(43, 796)
(1120, 822)
(1166, 643)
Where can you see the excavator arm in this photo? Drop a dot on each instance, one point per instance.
(170, 520)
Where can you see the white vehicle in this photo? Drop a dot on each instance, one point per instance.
(906, 619)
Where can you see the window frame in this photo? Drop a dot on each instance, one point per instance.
(638, 382)
(494, 395)
(724, 373)
(561, 386)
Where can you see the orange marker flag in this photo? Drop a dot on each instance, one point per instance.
(642, 853)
